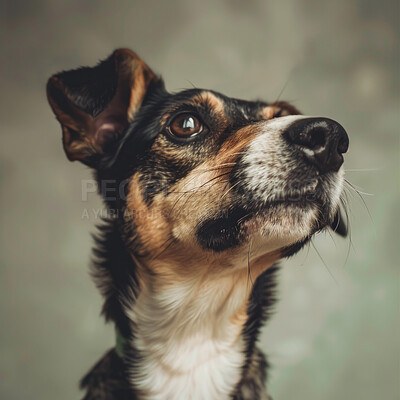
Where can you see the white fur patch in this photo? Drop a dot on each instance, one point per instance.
(269, 159)
(189, 346)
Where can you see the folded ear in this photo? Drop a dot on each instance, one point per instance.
(339, 225)
(95, 105)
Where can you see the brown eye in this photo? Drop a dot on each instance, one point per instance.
(185, 125)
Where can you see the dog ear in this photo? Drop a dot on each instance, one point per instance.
(339, 225)
(95, 105)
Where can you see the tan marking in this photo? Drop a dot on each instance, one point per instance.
(78, 149)
(164, 149)
(201, 99)
(151, 225)
(281, 107)
(235, 144)
(165, 118)
(215, 102)
(141, 79)
(134, 77)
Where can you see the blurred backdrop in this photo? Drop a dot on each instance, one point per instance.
(336, 331)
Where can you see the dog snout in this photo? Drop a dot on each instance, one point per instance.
(322, 140)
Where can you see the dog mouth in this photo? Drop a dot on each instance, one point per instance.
(304, 195)
(288, 217)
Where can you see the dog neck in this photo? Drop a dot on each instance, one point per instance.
(182, 336)
(188, 332)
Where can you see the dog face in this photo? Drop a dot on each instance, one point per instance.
(206, 179)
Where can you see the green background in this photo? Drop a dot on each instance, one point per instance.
(332, 337)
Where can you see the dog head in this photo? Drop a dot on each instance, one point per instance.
(199, 177)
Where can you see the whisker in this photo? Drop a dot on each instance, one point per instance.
(347, 210)
(233, 186)
(191, 83)
(167, 245)
(196, 189)
(344, 205)
(238, 153)
(249, 278)
(308, 252)
(283, 88)
(326, 266)
(357, 189)
(363, 170)
(202, 171)
(244, 216)
(194, 177)
(362, 198)
(330, 234)
(216, 168)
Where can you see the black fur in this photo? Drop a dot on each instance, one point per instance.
(222, 232)
(108, 380)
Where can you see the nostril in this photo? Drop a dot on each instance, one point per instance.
(301, 138)
(317, 138)
(309, 137)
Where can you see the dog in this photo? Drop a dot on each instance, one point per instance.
(208, 193)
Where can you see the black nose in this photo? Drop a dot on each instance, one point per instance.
(322, 140)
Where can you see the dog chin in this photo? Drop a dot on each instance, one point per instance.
(292, 220)
(283, 224)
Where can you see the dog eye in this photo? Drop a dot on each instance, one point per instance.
(185, 125)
